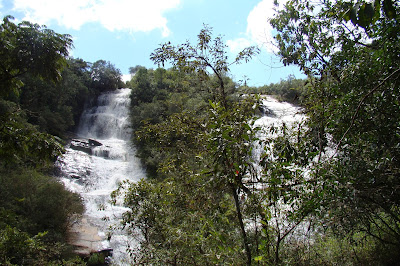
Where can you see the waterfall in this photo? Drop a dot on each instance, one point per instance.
(278, 113)
(95, 164)
(275, 114)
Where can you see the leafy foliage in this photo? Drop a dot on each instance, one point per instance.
(188, 146)
(105, 76)
(156, 96)
(56, 107)
(27, 47)
(208, 54)
(350, 52)
(290, 90)
(21, 143)
(35, 213)
(326, 183)
(40, 94)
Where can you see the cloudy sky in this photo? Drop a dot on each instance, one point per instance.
(126, 32)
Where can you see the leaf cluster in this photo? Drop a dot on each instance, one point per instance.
(28, 47)
(35, 211)
(42, 93)
(207, 57)
(198, 150)
(350, 52)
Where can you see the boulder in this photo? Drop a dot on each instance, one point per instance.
(81, 145)
(93, 142)
(85, 145)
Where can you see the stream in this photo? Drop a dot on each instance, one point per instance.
(93, 166)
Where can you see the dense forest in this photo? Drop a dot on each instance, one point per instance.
(42, 94)
(328, 189)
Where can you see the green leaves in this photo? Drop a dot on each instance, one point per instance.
(362, 14)
(30, 48)
(247, 54)
(352, 109)
(365, 14)
(105, 76)
(199, 154)
(207, 56)
(22, 144)
(389, 8)
(35, 213)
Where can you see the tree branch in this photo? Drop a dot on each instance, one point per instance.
(359, 107)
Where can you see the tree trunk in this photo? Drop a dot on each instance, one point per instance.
(241, 224)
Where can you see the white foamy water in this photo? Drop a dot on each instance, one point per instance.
(96, 173)
(278, 113)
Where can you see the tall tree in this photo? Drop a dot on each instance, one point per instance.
(30, 48)
(27, 49)
(228, 137)
(208, 55)
(105, 76)
(33, 226)
(350, 51)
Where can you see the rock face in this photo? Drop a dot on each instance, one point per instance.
(85, 145)
(266, 111)
(86, 241)
(92, 147)
(84, 237)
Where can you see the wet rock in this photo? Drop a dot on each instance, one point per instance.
(84, 238)
(81, 145)
(266, 111)
(106, 252)
(93, 142)
(85, 145)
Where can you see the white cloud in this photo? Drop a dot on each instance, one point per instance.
(130, 15)
(259, 31)
(238, 44)
(126, 77)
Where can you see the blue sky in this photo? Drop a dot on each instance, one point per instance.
(126, 32)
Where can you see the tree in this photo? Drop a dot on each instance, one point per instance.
(228, 135)
(208, 54)
(28, 47)
(350, 51)
(33, 226)
(142, 91)
(105, 76)
(21, 143)
(56, 107)
(289, 90)
(133, 70)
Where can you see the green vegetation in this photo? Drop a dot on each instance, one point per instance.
(42, 94)
(351, 54)
(291, 90)
(175, 140)
(324, 191)
(327, 191)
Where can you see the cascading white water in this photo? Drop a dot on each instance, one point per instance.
(94, 166)
(276, 114)
(95, 170)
